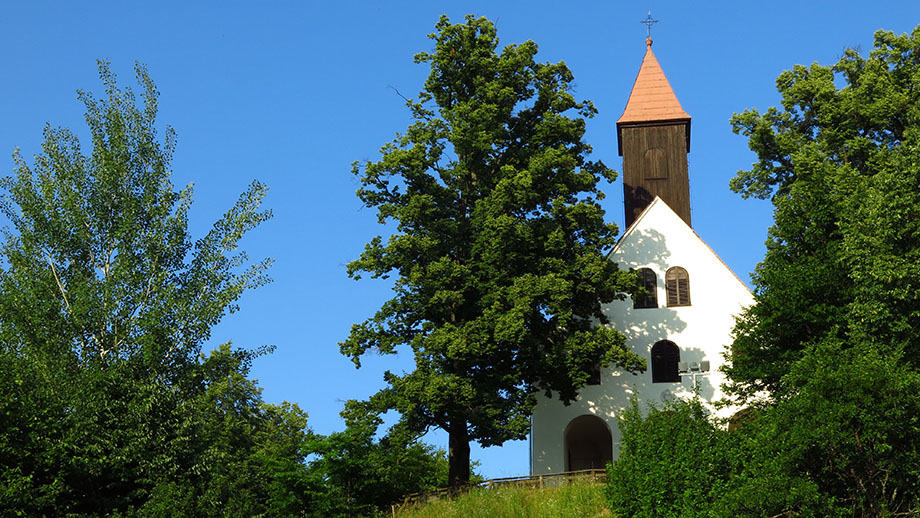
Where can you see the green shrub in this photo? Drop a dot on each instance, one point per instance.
(670, 462)
(846, 442)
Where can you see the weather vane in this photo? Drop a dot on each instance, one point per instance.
(649, 21)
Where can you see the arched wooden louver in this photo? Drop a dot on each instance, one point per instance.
(677, 282)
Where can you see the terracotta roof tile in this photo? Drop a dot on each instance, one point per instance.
(652, 98)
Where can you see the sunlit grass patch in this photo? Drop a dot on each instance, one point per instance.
(576, 499)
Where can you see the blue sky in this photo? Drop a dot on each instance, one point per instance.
(291, 93)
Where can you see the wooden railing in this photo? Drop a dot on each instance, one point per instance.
(534, 481)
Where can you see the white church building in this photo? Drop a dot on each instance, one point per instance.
(684, 325)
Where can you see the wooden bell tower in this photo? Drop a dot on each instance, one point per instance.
(653, 136)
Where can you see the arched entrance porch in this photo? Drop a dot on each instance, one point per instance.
(588, 443)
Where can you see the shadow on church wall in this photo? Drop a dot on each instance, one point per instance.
(643, 327)
(640, 385)
(646, 248)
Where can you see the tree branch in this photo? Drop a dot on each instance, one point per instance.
(67, 303)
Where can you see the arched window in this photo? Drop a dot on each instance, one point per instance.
(649, 281)
(677, 283)
(588, 443)
(665, 356)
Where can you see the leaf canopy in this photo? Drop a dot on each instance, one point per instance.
(107, 405)
(839, 159)
(499, 241)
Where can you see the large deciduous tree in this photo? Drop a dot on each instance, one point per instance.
(498, 249)
(841, 161)
(107, 405)
(833, 337)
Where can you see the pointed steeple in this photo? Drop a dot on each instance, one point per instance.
(653, 137)
(652, 98)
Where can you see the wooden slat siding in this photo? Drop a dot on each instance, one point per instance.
(672, 292)
(655, 164)
(535, 481)
(683, 291)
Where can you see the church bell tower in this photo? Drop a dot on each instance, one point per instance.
(688, 313)
(653, 137)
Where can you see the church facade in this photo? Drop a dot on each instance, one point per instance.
(683, 326)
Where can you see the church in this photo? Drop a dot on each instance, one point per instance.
(684, 325)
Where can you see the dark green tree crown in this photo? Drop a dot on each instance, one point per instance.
(499, 245)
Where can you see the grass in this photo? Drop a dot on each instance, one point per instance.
(576, 499)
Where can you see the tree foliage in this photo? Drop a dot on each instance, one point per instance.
(846, 444)
(671, 460)
(842, 165)
(498, 247)
(832, 339)
(107, 405)
(354, 473)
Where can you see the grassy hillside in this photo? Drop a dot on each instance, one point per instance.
(573, 500)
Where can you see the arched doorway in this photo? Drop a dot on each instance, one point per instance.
(588, 444)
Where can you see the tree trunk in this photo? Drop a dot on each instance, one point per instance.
(458, 455)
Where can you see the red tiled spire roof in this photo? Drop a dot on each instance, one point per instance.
(652, 98)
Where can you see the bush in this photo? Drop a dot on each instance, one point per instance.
(670, 462)
(845, 443)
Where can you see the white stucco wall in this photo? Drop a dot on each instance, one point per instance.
(658, 240)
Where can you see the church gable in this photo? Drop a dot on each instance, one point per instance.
(685, 321)
(660, 239)
(698, 295)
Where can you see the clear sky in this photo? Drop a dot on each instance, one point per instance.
(292, 93)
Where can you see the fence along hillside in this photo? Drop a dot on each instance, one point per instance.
(531, 481)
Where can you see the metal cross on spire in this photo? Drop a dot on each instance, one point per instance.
(649, 21)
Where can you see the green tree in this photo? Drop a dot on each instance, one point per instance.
(498, 249)
(847, 443)
(356, 474)
(107, 405)
(841, 166)
(833, 335)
